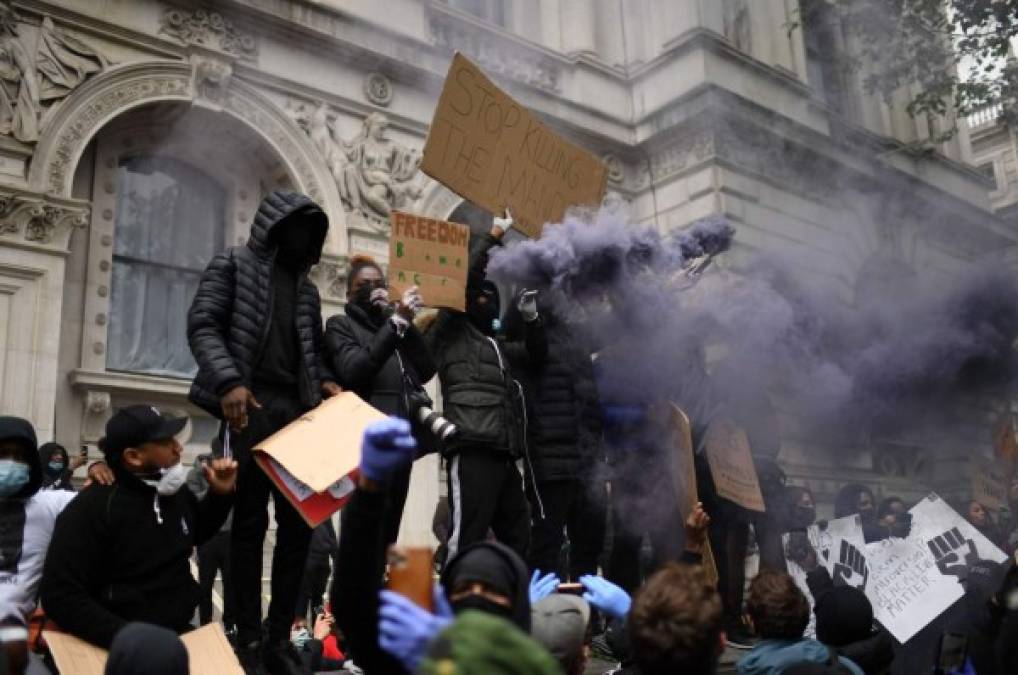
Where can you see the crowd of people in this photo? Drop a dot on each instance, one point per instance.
(550, 551)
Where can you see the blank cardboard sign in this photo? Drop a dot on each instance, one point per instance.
(492, 151)
(731, 465)
(430, 254)
(208, 651)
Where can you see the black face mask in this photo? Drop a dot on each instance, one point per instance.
(482, 604)
(482, 315)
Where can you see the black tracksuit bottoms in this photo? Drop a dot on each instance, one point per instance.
(576, 507)
(486, 493)
(251, 520)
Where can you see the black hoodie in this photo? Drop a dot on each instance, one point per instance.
(121, 553)
(487, 561)
(229, 324)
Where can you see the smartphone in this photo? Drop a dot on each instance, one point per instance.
(319, 610)
(572, 589)
(952, 653)
(410, 570)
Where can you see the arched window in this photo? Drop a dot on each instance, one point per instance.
(169, 224)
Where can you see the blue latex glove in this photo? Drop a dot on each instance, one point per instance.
(387, 447)
(542, 587)
(606, 596)
(405, 629)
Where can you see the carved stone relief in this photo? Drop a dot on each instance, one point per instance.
(378, 89)
(330, 277)
(33, 80)
(374, 174)
(38, 219)
(211, 79)
(209, 29)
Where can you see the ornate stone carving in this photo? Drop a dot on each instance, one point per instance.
(70, 141)
(378, 89)
(97, 402)
(616, 171)
(210, 29)
(512, 62)
(30, 81)
(39, 220)
(211, 79)
(330, 278)
(373, 173)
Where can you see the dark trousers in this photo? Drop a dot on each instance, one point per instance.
(575, 509)
(396, 492)
(251, 520)
(486, 492)
(312, 588)
(214, 556)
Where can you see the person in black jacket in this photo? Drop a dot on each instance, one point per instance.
(380, 355)
(255, 329)
(483, 400)
(567, 454)
(121, 552)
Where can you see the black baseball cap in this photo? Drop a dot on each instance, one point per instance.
(137, 424)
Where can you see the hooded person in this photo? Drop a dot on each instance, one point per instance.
(375, 351)
(477, 367)
(255, 330)
(122, 552)
(490, 577)
(27, 518)
(57, 467)
(144, 648)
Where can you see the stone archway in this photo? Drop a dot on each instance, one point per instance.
(206, 81)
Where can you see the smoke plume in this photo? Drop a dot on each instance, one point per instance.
(898, 355)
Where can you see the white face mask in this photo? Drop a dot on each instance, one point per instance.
(171, 481)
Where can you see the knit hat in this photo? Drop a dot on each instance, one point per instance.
(844, 615)
(559, 623)
(477, 643)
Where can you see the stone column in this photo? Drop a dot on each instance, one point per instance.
(579, 28)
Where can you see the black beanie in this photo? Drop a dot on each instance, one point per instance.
(844, 615)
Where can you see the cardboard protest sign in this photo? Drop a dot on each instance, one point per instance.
(208, 651)
(905, 588)
(492, 151)
(314, 459)
(430, 254)
(731, 465)
(989, 485)
(679, 439)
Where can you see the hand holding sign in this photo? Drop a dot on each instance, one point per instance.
(430, 256)
(851, 570)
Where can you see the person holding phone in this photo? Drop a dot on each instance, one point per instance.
(58, 466)
(375, 350)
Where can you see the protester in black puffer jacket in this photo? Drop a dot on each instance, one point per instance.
(255, 329)
(228, 323)
(381, 356)
(483, 400)
(564, 434)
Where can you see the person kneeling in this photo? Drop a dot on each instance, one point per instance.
(121, 553)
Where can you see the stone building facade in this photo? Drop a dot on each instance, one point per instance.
(137, 136)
